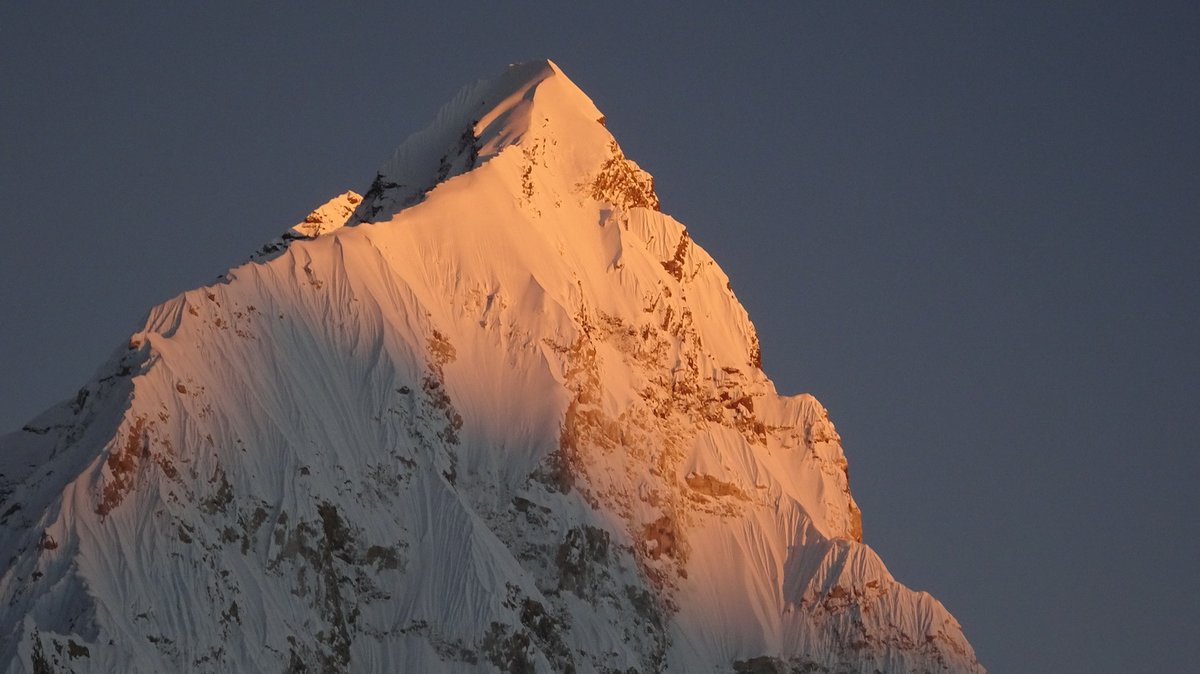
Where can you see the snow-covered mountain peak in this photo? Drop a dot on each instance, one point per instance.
(512, 418)
(532, 106)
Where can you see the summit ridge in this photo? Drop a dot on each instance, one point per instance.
(481, 121)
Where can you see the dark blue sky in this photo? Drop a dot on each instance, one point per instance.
(972, 231)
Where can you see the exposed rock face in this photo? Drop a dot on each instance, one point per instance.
(329, 216)
(509, 417)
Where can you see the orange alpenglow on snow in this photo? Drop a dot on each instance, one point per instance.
(498, 413)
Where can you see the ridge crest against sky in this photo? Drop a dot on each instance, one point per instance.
(480, 121)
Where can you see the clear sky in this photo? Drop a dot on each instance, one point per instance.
(973, 231)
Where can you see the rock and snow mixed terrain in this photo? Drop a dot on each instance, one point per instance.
(499, 413)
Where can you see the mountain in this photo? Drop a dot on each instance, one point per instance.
(499, 413)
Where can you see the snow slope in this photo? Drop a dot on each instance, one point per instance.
(505, 416)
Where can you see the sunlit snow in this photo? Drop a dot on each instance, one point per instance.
(500, 413)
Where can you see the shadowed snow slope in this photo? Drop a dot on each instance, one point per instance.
(508, 418)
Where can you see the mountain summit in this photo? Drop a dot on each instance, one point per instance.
(498, 414)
